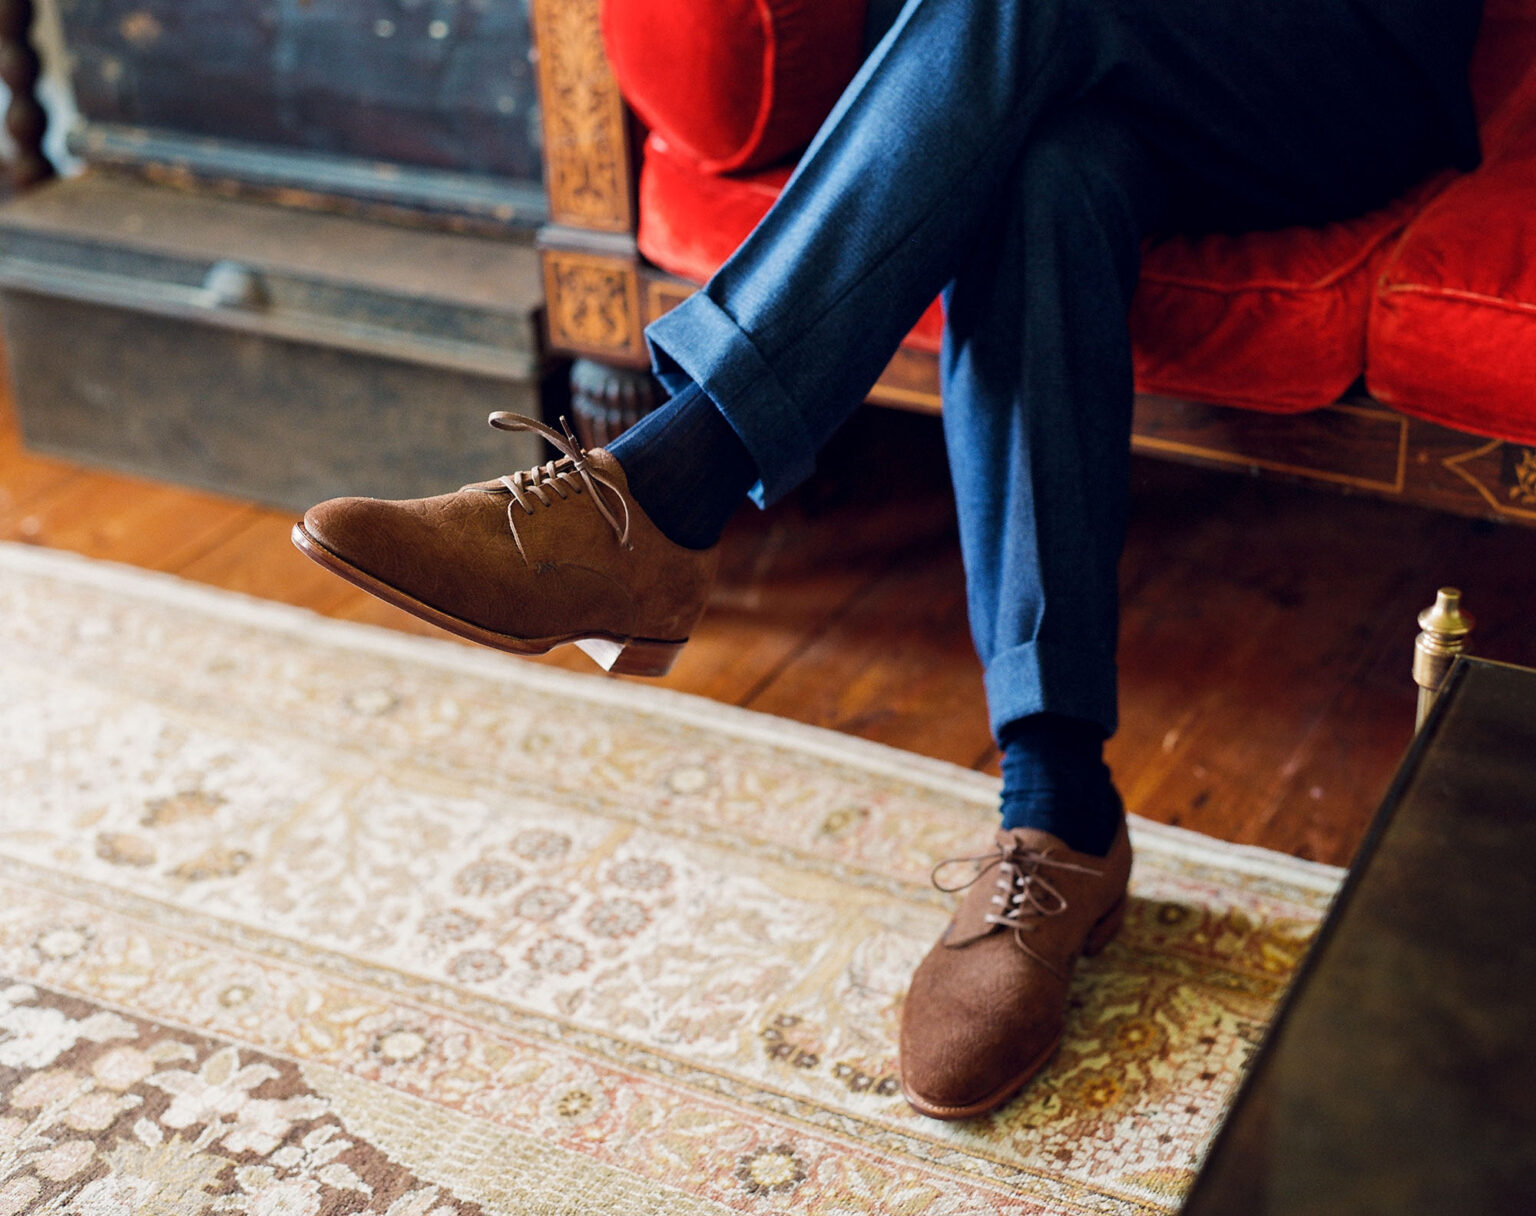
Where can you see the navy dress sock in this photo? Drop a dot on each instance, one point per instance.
(687, 468)
(1055, 779)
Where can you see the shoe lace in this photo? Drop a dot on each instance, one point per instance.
(569, 473)
(1024, 896)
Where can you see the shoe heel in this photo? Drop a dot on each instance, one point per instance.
(1104, 931)
(633, 658)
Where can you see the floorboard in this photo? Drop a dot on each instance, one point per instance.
(1269, 626)
(124, 519)
(258, 558)
(23, 482)
(896, 666)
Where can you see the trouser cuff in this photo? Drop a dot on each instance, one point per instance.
(1034, 679)
(698, 341)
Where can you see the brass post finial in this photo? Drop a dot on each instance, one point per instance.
(1444, 636)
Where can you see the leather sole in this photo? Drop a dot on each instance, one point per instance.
(1102, 933)
(624, 656)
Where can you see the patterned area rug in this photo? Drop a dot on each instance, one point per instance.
(303, 917)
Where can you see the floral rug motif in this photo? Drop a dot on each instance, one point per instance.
(302, 917)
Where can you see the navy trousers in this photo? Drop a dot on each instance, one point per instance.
(1013, 154)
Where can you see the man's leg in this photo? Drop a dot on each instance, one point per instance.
(1273, 106)
(1038, 386)
(784, 342)
(1037, 383)
(1209, 123)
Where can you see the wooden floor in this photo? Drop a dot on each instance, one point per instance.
(1267, 629)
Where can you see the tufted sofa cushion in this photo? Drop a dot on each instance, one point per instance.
(1452, 334)
(733, 84)
(1273, 321)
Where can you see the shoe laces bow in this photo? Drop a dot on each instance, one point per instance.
(1023, 896)
(570, 473)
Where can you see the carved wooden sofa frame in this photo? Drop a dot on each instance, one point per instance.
(601, 293)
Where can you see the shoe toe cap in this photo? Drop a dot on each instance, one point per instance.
(389, 539)
(344, 525)
(967, 1045)
(375, 539)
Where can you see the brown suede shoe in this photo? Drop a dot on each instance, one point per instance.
(559, 553)
(986, 1006)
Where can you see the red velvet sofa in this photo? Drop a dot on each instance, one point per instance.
(1404, 340)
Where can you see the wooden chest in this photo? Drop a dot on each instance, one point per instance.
(426, 105)
(256, 350)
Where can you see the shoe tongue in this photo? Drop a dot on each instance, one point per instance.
(608, 464)
(970, 923)
(1033, 840)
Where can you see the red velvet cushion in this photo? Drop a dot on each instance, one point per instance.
(690, 221)
(1270, 320)
(1453, 325)
(733, 84)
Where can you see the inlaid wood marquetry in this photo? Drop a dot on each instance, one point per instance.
(586, 144)
(1503, 476)
(1362, 447)
(1521, 466)
(662, 295)
(1358, 445)
(593, 304)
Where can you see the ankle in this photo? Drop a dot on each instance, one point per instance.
(687, 468)
(1055, 779)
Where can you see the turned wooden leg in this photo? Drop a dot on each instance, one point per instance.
(25, 118)
(606, 401)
